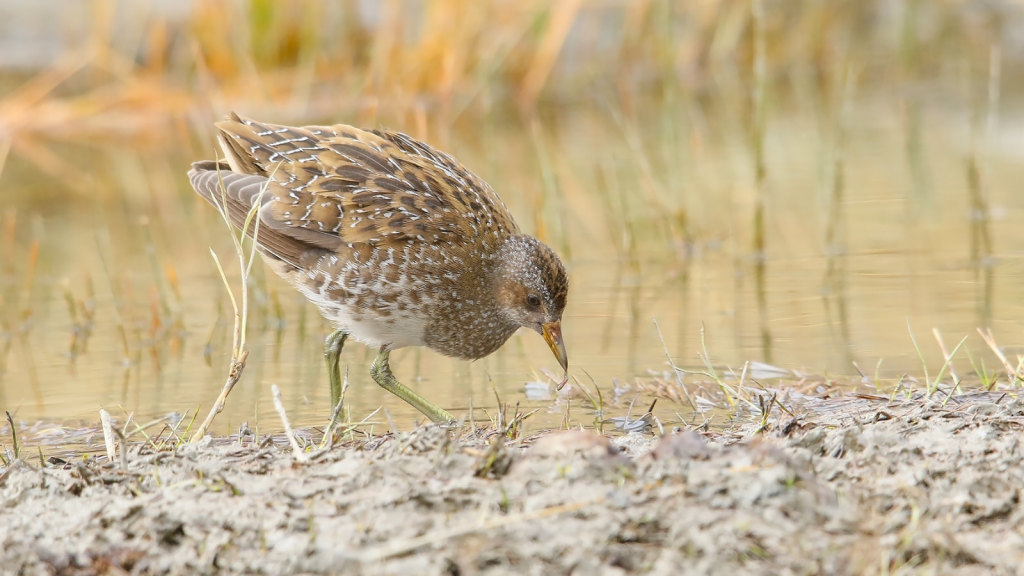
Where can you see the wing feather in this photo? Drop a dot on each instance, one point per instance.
(237, 193)
(339, 184)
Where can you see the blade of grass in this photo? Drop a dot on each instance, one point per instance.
(16, 444)
(927, 380)
(672, 365)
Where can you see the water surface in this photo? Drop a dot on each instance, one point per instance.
(653, 213)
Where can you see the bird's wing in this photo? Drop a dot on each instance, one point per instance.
(235, 194)
(338, 184)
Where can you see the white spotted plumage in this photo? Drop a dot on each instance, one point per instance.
(395, 242)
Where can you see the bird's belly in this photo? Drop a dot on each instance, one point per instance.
(396, 329)
(395, 332)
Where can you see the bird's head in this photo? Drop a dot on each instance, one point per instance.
(531, 288)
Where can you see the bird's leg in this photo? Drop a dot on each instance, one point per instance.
(380, 370)
(332, 351)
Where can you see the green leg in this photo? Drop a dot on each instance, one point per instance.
(380, 370)
(332, 351)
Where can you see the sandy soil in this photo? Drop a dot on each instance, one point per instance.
(863, 486)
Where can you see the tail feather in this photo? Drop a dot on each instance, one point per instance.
(235, 195)
(239, 181)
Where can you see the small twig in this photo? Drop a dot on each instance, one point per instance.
(14, 436)
(743, 377)
(945, 354)
(173, 430)
(237, 366)
(122, 448)
(391, 422)
(129, 419)
(142, 429)
(863, 377)
(279, 405)
(360, 423)
(108, 433)
(238, 351)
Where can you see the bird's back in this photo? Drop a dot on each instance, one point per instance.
(374, 227)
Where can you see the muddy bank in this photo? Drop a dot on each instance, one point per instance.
(871, 488)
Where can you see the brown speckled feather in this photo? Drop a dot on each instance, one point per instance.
(395, 242)
(347, 185)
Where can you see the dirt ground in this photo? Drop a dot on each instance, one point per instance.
(862, 487)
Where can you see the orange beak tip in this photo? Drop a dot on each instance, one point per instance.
(552, 332)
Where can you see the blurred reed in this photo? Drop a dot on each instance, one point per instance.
(676, 113)
(140, 74)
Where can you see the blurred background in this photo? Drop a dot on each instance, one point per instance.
(802, 179)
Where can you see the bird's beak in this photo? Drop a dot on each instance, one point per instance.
(552, 332)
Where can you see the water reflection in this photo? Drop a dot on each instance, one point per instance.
(813, 261)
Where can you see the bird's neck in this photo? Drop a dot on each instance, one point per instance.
(472, 323)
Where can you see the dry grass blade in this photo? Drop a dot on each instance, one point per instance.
(279, 406)
(730, 395)
(1011, 372)
(16, 444)
(234, 374)
(239, 354)
(108, 433)
(362, 422)
(946, 354)
(675, 370)
(948, 365)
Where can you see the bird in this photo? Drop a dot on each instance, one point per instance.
(394, 241)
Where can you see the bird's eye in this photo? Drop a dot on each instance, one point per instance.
(533, 300)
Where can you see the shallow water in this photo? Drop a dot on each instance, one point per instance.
(654, 216)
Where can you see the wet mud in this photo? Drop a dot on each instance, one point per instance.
(859, 486)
